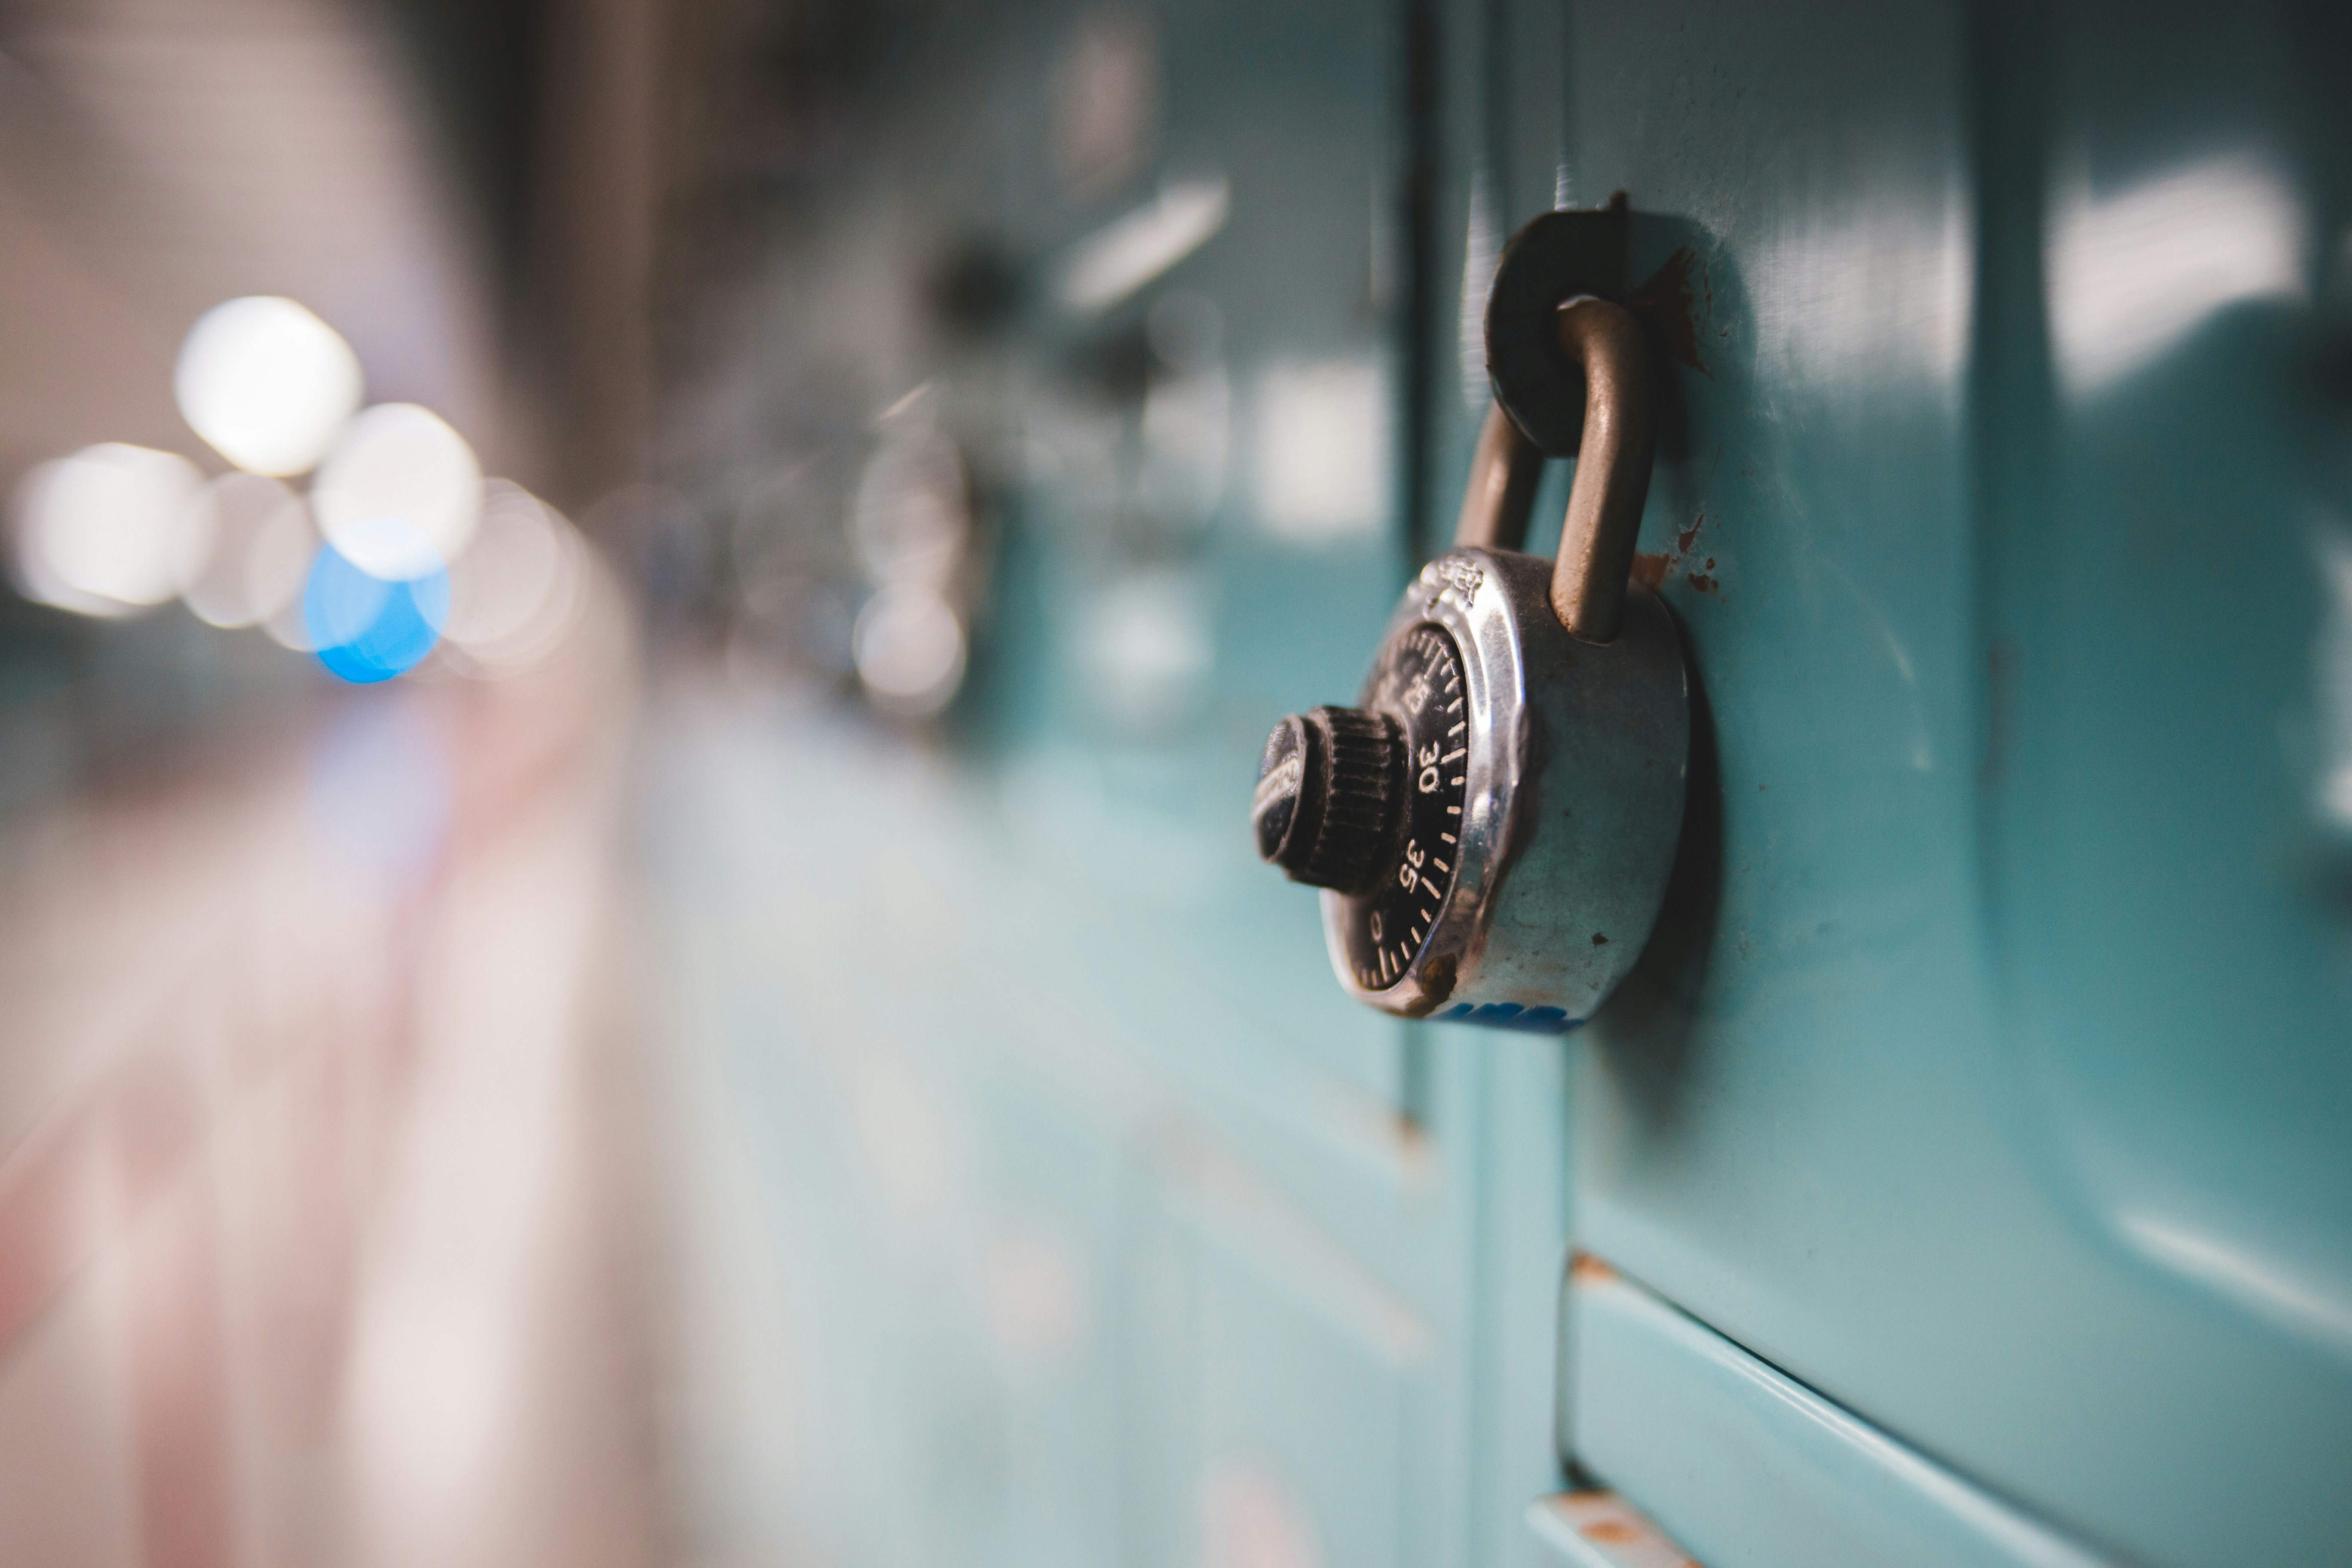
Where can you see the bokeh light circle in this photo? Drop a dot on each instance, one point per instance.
(401, 494)
(515, 594)
(243, 523)
(366, 629)
(269, 385)
(108, 529)
(910, 647)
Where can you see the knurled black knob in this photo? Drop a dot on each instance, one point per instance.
(1328, 797)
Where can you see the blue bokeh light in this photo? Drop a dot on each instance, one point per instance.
(367, 629)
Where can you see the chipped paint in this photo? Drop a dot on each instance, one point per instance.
(1672, 309)
(1653, 569)
(1595, 1527)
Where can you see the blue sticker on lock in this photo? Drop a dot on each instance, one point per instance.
(1511, 1015)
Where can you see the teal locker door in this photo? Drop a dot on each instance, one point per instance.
(1497, 154)
(1180, 1257)
(1210, 523)
(1988, 1074)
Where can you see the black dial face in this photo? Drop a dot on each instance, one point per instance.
(1418, 682)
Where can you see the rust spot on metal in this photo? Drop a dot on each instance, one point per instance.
(1623, 1532)
(1653, 570)
(1668, 304)
(1586, 1269)
(1438, 978)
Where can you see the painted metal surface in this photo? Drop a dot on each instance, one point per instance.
(1748, 1467)
(1098, 1224)
(1986, 1073)
(1046, 1267)
(1991, 1073)
(1595, 1527)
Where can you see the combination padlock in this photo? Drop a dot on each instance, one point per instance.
(1494, 823)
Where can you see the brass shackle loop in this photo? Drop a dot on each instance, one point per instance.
(1604, 344)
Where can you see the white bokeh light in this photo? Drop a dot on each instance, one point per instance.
(910, 647)
(401, 494)
(513, 596)
(108, 529)
(242, 522)
(268, 383)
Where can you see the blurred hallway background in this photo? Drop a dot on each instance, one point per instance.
(522, 762)
(325, 1218)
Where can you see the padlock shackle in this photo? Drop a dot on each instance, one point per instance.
(1501, 494)
(1604, 343)
(1612, 467)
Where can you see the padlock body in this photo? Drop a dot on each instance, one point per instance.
(1568, 788)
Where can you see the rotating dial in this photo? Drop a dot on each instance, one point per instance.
(1418, 684)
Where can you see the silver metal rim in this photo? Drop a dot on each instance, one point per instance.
(1463, 593)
